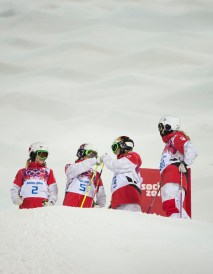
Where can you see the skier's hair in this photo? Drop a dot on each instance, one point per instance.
(30, 160)
(27, 163)
(187, 137)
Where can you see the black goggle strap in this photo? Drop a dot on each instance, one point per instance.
(80, 153)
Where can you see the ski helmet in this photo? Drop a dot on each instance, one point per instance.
(38, 149)
(87, 150)
(124, 143)
(168, 124)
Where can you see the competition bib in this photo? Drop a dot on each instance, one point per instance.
(34, 188)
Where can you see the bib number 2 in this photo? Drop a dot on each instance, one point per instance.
(34, 190)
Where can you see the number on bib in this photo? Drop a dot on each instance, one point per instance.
(82, 187)
(34, 190)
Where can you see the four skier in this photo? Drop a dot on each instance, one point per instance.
(35, 185)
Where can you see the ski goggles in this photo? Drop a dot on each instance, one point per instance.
(91, 153)
(115, 147)
(42, 154)
(162, 127)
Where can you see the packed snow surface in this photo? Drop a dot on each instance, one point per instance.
(88, 71)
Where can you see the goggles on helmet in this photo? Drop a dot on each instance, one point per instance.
(115, 147)
(91, 153)
(163, 127)
(42, 154)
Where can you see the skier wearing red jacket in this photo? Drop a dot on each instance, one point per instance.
(127, 181)
(179, 152)
(79, 192)
(35, 185)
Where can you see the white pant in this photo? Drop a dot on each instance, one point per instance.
(129, 207)
(172, 191)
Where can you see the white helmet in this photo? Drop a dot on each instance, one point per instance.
(36, 147)
(168, 124)
(87, 150)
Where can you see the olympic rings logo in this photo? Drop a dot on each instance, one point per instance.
(33, 173)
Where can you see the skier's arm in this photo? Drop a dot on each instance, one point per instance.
(15, 195)
(74, 170)
(16, 189)
(52, 188)
(53, 193)
(190, 153)
(186, 148)
(118, 165)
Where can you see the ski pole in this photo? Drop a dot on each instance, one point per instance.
(89, 185)
(97, 184)
(181, 194)
(148, 211)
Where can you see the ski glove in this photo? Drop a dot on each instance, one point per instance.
(182, 167)
(47, 203)
(18, 201)
(99, 161)
(103, 156)
(95, 205)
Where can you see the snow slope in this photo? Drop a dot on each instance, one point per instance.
(71, 240)
(88, 71)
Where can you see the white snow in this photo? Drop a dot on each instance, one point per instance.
(88, 71)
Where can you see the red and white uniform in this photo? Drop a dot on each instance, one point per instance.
(127, 181)
(34, 184)
(178, 149)
(79, 176)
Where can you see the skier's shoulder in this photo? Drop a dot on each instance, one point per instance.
(180, 137)
(79, 164)
(66, 167)
(134, 157)
(21, 171)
